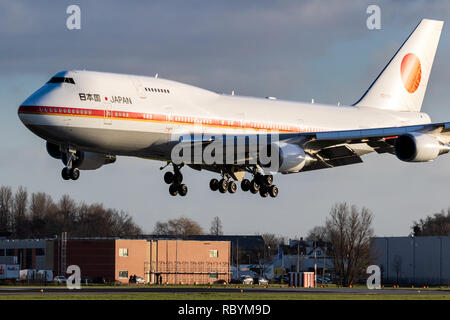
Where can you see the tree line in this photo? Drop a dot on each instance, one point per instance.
(37, 215)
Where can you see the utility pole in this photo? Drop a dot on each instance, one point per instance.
(298, 256)
(237, 258)
(323, 266)
(315, 264)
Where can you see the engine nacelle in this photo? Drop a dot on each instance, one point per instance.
(86, 160)
(291, 158)
(53, 150)
(418, 147)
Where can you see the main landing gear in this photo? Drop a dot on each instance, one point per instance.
(261, 184)
(175, 179)
(223, 185)
(70, 172)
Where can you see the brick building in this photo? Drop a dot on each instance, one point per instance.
(166, 261)
(188, 261)
(170, 261)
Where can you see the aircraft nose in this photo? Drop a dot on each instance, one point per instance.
(27, 107)
(32, 104)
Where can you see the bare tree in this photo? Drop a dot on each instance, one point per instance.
(350, 232)
(318, 233)
(67, 210)
(40, 205)
(181, 227)
(398, 265)
(435, 225)
(161, 228)
(6, 198)
(216, 227)
(272, 242)
(20, 203)
(44, 218)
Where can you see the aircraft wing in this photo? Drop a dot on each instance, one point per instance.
(337, 148)
(344, 147)
(363, 134)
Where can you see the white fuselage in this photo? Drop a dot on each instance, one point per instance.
(140, 116)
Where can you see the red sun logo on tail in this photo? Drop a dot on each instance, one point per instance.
(411, 72)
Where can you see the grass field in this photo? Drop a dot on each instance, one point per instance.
(222, 296)
(84, 294)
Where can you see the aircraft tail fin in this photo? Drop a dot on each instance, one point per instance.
(402, 84)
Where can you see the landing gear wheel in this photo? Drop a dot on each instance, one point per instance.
(267, 179)
(182, 190)
(232, 187)
(254, 187)
(65, 173)
(245, 185)
(263, 192)
(74, 173)
(223, 186)
(273, 191)
(168, 177)
(178, 178)
(214, 184)
(258, 178)
(173, 189)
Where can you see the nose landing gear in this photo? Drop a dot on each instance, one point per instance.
(70, 172)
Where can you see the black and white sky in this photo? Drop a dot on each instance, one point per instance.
(294, 50)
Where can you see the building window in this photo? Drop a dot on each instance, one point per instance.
(40, 251)
(123, 252)
(213, 253)
(10, 252)
(213, 275)
(2, 252)
(123, 274)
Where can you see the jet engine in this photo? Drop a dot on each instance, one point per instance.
(84, 160)
(53, 150)
(290, 157)
(418, 147)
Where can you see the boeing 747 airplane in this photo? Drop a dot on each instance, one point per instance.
(88, 118)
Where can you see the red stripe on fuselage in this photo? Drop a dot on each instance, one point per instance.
(138, 116)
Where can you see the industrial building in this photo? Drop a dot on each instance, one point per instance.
(113, 259)
(28, 254)
(413, 260)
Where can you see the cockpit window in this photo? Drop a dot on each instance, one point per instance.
(61, 80)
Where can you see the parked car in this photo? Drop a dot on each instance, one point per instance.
(247, 280)
(140, 280)
(323, 280)
(262, 281)
(60, 280)
(220, 281)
